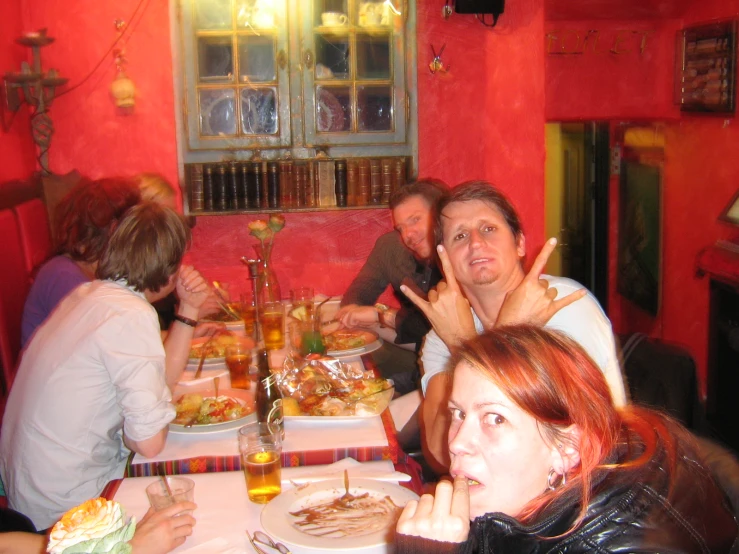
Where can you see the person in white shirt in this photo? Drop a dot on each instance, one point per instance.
(94, 383)
(481, 248)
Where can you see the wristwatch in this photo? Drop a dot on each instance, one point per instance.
(382, 309)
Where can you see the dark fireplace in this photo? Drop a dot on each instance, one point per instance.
(722, 402)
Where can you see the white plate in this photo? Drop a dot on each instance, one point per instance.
(328, 419)
(206, 376)
(366, 349)
(192, 363)
(244, 397)
(277, 521)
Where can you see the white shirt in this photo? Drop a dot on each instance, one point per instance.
(583, 320)
(92, 371)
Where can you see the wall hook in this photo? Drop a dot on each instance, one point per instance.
(437, 65)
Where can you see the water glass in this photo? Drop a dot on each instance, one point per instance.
(182, 489)
(260, 447)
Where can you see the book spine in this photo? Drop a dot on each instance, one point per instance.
(234, 186)
(340, 184)
(301, 183)
(196, 187)
(249, 190)
(364, 182)
(260, 186)
(375, 182)
(311, 190)
(273, 185)
(399, 176)
(352, 184)
(326, 183)
(220, 189)
(388, 168)
(208, 188)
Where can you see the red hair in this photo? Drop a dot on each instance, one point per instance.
(87, 215)
(550, 376)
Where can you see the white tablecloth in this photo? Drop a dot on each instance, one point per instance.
(224, 511)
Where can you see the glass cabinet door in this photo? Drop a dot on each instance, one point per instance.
(354, 72)
(237, 92)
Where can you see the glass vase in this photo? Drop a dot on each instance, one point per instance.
(268, 287)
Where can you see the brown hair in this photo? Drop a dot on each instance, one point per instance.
(485, 192)
(154, 187)
(146, 248)
(87, 215)
(550, 376)
(431, 190)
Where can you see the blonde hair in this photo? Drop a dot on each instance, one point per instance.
(155, 188)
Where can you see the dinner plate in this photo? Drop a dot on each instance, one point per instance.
(244, 397)
(206, 377)
(277, 521)
(366, 349)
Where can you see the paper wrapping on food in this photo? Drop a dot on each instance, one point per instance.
(329, 387)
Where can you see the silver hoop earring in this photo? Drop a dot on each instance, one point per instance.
(552, 485)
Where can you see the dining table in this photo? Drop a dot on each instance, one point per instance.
(312, 446)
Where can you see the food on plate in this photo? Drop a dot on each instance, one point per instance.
(348, 516)
(203, 411)
(216, 348)
(290, 407)
(348, 339)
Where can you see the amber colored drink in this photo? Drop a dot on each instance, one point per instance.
(272, 328)
(263, 475)
(238, 367)
(247, 314)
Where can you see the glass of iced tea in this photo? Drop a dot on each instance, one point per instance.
(272, 318)
(260, 447)
(238, 360)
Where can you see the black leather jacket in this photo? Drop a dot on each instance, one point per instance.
(630, 511)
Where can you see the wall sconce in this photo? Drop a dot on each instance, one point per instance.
(37, 90)
(122, 88)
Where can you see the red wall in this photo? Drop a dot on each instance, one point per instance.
(599, 84)
(485, 119)
(17, 159)
(700, 173)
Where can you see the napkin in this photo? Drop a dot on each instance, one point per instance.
(357, 470)
(213, 546)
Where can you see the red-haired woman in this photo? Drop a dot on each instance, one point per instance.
(85, 218)
(542, 461)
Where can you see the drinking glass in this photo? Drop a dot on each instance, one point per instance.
(182, 489)
(260, 447)
(238, 360)
(272, 318)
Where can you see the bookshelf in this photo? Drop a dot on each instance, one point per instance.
(306, 185)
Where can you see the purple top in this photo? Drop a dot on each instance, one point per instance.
(55, 280)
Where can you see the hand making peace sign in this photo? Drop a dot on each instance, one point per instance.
(532, 301)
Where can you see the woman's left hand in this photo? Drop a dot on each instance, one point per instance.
(444, 517)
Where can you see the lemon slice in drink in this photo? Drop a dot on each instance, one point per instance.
(300, 313)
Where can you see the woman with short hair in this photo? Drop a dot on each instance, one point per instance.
(543, 461)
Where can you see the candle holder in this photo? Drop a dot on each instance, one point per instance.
(38, 88)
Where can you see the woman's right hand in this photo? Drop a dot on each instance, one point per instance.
(444, 517)
(162, 531)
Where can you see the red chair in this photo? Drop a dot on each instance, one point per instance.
(14, 285)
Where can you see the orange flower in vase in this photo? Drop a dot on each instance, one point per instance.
(268, 287)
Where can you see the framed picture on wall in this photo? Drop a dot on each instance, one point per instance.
(706, 72)
(731, 211)
(639, 276)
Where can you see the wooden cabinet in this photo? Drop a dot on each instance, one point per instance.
(288, 78)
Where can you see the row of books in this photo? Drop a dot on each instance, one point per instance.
(234, 186)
